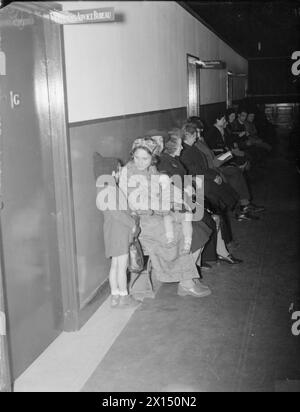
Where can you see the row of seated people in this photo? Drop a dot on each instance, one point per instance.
(180, 246)
(219, 157)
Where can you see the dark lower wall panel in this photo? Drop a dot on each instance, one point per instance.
(114, 136)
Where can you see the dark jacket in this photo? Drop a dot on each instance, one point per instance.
(216, 141)
(219, 196)
(230, 137)
(171, 166)
(219, 144)
(237, 128)
(196, 162)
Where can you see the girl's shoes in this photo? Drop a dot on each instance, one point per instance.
(114, 300)
(128, 301)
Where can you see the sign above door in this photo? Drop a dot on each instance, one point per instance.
(83, 16)
(211, 64)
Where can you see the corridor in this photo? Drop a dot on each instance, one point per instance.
(238, 339)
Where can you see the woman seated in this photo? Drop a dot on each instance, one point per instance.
(139, 181)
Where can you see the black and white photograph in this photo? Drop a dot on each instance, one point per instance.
(149, 199)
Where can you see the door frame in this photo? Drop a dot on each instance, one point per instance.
(191, 60)
(54, 123)
(229, 99)
(5, 365)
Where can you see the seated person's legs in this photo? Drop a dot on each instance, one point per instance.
(187, 230)
(222, 251)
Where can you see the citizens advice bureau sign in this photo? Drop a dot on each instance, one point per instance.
(83, 16)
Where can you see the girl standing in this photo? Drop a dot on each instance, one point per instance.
(119, 229)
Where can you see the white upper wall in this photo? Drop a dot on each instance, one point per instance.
(139, 64)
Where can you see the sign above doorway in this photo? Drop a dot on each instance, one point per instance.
(211, 64)
(106, 14)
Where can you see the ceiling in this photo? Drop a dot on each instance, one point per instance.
(255, 29)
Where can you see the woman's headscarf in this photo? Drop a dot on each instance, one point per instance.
(147, 143)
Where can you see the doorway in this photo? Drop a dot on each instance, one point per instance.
(236, 88)
(30, 251)
(229, 90)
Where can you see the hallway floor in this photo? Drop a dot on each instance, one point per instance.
(237, 339)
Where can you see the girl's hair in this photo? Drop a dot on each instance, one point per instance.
(172, 144)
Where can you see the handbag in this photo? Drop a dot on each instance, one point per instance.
(135, 252)
(136, 257)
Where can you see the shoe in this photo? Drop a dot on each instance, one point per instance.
(114, 300)
(205, 266)
(230, 259)
(245, 216)
(256, 209)
(198, 290)
(128, 301)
